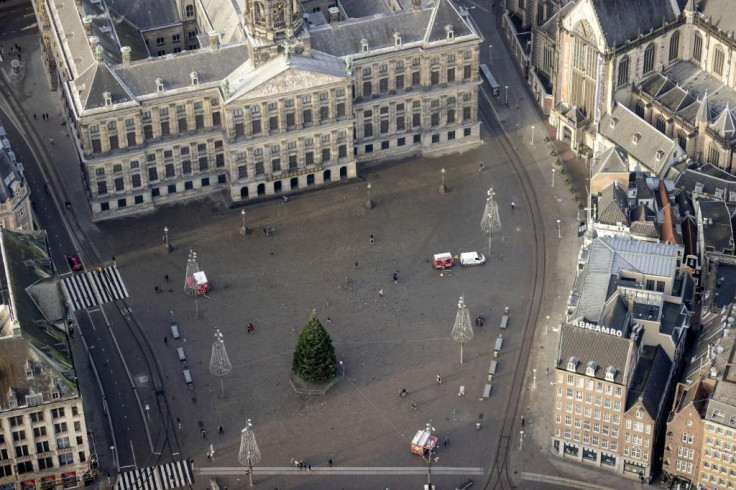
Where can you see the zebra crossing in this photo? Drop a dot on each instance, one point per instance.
(162, 477)
(84, 290)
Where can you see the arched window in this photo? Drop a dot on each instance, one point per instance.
(713, 154)
(674, 46)
(682, 140)
(649, 59)
(260, 12)
(698, 47)
(190, 10)
(623, 71)
(639, 109)
(661, 125)
(718, 58)
(278, 17)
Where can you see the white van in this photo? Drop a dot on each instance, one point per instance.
(472, 258)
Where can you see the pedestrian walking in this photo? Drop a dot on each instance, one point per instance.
(439, 379)
(166, 277)
(251, 328)
(18, 48)
(329, 320)
(166, 340)
(178, 423)
(203, 433)
(356, 266)
(372, 241)
(220, 430)
(546, 370)
(329, 463)
(51, 140)
(480, 167)
(309, 466)
(413, 404)
(403, 393)
(43, 116)
(522, 421)
(47, 116)
(114, 262)
(34, 115)
(396, 277)
(512, 205)
(380, 293)
(155, 288)
(209, 455)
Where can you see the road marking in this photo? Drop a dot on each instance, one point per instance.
(347, 470)
(566, 482)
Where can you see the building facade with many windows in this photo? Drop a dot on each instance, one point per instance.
(274, 100)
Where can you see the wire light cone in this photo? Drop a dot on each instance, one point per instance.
(219, 362)
(462, 331)
(249, 453)
(490, 222)
(190, 286)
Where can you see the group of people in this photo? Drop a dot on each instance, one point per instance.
(303, 465)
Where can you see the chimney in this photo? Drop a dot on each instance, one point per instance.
(98, 53)
(334, 14)
(94, 41)
(87, 21)
(125, 51)
(214, 40)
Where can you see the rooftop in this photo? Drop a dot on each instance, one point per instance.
(717, 233)
(602, 349)
(650, 379)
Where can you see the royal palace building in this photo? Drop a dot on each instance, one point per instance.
(178, 98)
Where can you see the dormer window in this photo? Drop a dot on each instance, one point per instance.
(364, 45)
(660, 154)
(699, 187)
(614, 121)
(610, 373)
(397, 39)
(450, 33)
(108, 98)
(636, 138)
(590, 369)
(572, 364)
(194, 77)
(159, 85)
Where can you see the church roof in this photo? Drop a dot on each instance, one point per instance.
(145, 14)
(719, 13)
(724, 125)
(624, 20)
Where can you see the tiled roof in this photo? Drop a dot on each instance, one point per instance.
(720, 14)
(363, 8)
(613, 205)
(603, 349)
(644, 147)
(611, 160)
(650, 379)
(717, 232)
(93, 83)
(145, 14)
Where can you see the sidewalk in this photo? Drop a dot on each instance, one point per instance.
(31, 89)
(557, 201)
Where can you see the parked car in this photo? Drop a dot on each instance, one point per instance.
(74, 262)
(472, 258)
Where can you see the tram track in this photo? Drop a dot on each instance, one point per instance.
(166, 435)
(498, 472)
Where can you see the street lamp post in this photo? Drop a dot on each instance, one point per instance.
(507, 95)
(491, 221)
(462, 331)
(249, 453)
(429, 460)
(442, 188)
(166, 246)
(369, 203)
(559, 235)
(243, 230)
(546, 327)
(490, 53)
(534, 378)
(532, 134)
(521, 439)
(114, 459)
(553, 176)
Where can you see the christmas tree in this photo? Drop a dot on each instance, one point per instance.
(314, 356)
